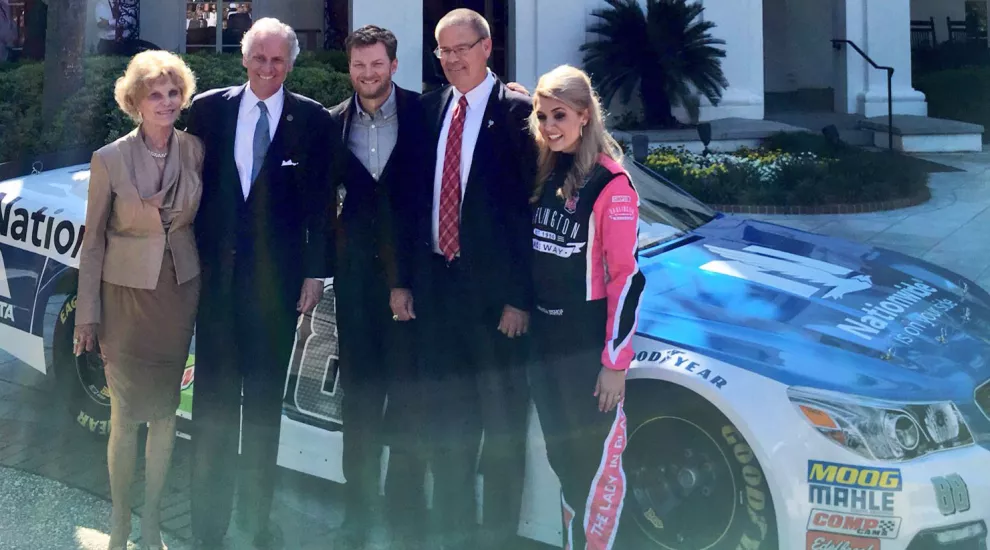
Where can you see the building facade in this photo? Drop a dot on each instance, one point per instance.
(775, 48)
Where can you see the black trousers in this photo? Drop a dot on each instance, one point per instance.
(239, 352)
(377, 370)
(475, 385)
(584, 445)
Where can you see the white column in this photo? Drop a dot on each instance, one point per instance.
(549, 33)
(405, 19)
(883, 31)
(740, 24)
(164, 24)
(524, 35)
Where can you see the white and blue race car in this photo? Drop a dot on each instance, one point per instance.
(789, 390)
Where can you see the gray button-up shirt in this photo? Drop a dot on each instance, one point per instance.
(373, 136)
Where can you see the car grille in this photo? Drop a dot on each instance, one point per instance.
(983, 398)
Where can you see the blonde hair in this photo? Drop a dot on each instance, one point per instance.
(464, 16)
(143, 71)
(572, 87)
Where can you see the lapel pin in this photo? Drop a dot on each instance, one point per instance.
(490, 123)
(289, 118)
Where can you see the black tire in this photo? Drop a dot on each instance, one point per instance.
(80, 381)
(693, 480)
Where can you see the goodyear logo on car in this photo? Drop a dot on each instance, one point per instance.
(854, 477)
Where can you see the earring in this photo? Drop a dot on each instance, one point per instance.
(581, 131)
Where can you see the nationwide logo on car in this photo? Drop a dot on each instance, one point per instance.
(854, 524)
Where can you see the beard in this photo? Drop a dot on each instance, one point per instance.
(375, 93)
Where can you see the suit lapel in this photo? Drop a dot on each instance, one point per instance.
(448, 93)
(285, 135)
(481, 155)
(345, 127)
(229, 118)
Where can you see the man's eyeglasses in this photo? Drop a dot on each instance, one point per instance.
(459, 50)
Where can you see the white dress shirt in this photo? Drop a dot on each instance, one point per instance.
(477, 100)
(247, 120)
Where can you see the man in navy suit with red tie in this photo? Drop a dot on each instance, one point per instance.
(473, 291)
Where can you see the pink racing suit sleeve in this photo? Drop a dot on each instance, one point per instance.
(616, 215)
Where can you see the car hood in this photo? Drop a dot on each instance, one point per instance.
(817, 311)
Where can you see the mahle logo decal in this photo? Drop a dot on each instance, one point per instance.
(787, 272)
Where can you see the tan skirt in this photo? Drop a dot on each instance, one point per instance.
(145, 337)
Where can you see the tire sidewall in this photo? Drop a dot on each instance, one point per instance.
(88, 414)
(753, 525)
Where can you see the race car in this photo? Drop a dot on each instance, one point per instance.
(789, 390)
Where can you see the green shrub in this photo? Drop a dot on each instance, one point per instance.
(958, 94)
(334, 60)
(790, 170)
(91, 118)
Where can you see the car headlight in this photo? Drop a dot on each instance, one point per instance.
(882, 430)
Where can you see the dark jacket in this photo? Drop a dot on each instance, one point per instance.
(495, 232)
(374, 211)
(267, 244)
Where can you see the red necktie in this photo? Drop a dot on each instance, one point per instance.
(450, 187)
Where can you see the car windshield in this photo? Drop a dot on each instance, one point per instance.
(665, 212)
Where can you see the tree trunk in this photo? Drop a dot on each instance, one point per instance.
(656, 104)
(64, 46)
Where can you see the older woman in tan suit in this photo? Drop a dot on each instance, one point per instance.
(139, 277)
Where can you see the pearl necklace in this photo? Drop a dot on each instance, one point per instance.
(157, 155)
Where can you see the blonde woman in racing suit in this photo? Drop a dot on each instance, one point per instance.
(588, 287)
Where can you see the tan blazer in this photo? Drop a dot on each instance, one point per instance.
(125, 236)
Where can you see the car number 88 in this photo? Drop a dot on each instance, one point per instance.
(951, 494)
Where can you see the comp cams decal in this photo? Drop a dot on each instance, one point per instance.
(46, 234)
(859, 525)
(849, 488)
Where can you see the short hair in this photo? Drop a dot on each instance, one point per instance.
(270, 25)
(143, 71)
(464, 16)
(369, 35)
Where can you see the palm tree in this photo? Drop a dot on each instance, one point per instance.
(663, 52)
(64, 46)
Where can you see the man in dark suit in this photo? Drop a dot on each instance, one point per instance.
(261, 233)
(381, 128)
(474, 289)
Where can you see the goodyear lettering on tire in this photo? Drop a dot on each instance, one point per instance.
(101, 427)
(755, 493)
(69, 307)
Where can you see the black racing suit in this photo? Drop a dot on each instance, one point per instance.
(588, 288)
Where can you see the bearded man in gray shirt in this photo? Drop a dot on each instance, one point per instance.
(380, 128)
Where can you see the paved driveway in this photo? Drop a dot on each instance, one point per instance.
(952, 229)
